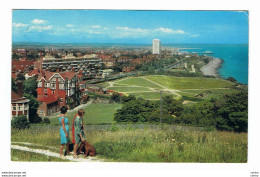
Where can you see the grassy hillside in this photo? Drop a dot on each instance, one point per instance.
(147, 145)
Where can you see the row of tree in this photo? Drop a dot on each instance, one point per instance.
(230, 112)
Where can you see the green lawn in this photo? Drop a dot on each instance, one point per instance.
(173, 82)
(94, 114)
(138, 81)
(128, 89)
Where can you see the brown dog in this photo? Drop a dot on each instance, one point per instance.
(88, 149)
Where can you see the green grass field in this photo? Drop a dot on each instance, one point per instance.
(189, 82)
(145, 145)
(94, 114)
(138, 81)
(188, 86)
(128, 89)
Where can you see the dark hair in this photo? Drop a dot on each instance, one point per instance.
(63, 109)
(81, 112)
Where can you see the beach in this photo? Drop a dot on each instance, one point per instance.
(211, 69)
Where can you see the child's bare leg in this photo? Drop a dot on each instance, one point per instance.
(75, 150)
(68, 152)
(61, 150)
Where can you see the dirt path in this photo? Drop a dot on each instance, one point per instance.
(165, 88)
(54, 154)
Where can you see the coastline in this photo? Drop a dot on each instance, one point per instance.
(211, 69)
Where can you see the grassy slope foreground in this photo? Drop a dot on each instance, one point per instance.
(145, 145)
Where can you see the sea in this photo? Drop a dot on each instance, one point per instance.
(234, 57)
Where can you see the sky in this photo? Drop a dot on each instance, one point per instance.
(129, 26)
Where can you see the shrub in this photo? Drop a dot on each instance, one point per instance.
(20, 122)
(46, 120)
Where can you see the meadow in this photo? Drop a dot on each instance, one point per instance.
(147, 145)
(173, 82)
(100, 113)
(148, 87)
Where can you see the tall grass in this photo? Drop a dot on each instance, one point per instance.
(162, 145)
(18, 155)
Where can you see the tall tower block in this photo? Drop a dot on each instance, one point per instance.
(156, 46)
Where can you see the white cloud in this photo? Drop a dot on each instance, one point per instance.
(17, 25)
(95, 26)
(169, 31)
(132, 29)
(38, 21)
(40, 28)
(70, 25)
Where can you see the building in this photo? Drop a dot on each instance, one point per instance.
(91, 88)
(20, 105)
(156, 46)
(106, 72)
(128, 69)
(22, 66)
(88, 66)
(54, 89)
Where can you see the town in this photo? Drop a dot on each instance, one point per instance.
(66, 76)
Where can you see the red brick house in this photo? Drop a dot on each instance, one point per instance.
(53, 90)
(22, 65)
(20, 105)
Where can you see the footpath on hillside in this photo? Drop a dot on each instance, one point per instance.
(23, 146)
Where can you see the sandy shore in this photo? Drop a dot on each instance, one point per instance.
(211, 69)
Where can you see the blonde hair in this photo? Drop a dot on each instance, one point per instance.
(81, 112)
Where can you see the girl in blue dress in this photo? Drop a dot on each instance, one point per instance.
(64, 130)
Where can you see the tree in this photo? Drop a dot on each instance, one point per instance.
(20, 122)
(30, 86)
(14, 87)
(172, 106)
(15, 56)
(233, 115)
(116, 97)
(135, 111)
(20, 77)
(128, 98)
(33, 106)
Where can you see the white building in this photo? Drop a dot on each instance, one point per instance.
(156, 46)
